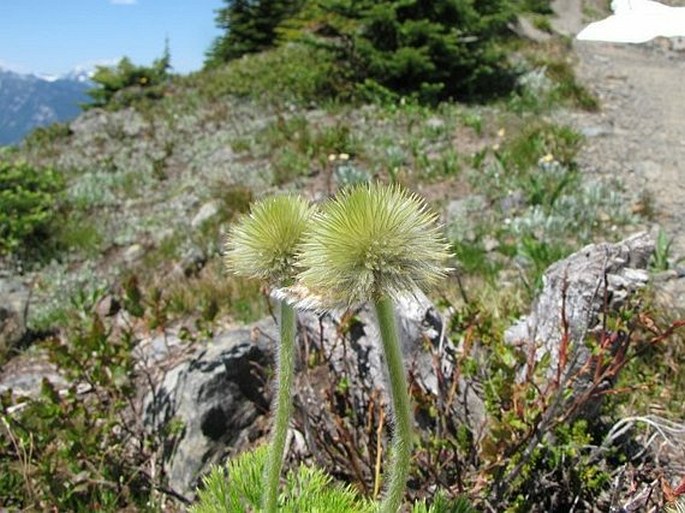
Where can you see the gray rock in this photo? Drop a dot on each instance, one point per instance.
(25, 373)
(490, 243)
(107, 306)
(14, 300)
(669, 288)
(192, 262)
(576, 291)
(360, 356)
(350, 347)
(158, 349)
(596, 130)
(215, 395)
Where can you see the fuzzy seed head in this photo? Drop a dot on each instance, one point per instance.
(264, 244)
(370, 241)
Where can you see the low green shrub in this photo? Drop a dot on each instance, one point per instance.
(298, 147)
(540, 207)
(47, 137)
(72, 450)
(78, 233)
(293, 73)
(121, 85)
(29, 199)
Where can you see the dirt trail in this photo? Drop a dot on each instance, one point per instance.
(638, 136)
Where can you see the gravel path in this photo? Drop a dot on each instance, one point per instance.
(638, 136)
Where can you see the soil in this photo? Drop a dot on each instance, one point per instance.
(638, 135)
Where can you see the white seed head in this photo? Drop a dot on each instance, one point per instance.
(264, 244)
(369, 241)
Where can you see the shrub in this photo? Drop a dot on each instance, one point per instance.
(237, 488)
(291, 73)
(29, 197)
(532, 451)
(46, 137)
(298, 147)
(121, 85)
(73, 450)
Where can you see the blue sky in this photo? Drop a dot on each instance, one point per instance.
(56, 36)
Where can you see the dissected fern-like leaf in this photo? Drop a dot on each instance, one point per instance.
(237, 488)
(312, 490)
(443, 505)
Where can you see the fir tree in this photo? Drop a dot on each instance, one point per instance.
(250, 26)
(434, 48)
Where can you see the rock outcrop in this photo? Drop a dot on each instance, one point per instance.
(576, 292)
(211, 400)
(219, 396)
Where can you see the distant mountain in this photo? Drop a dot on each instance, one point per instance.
(30, 101)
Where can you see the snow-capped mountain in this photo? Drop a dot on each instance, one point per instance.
(30, 101)
(76, 75)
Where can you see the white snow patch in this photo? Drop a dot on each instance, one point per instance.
(636, 21)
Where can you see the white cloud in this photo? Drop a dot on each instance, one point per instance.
(123, 2)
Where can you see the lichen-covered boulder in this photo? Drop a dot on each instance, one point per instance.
(208, 402)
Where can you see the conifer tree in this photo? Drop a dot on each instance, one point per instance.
(436, 48)
(250, 26)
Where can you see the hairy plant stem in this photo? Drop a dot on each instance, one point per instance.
(284, 378)
(402, 440)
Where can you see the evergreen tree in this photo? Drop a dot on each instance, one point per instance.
(436, 48)
(250, 26)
